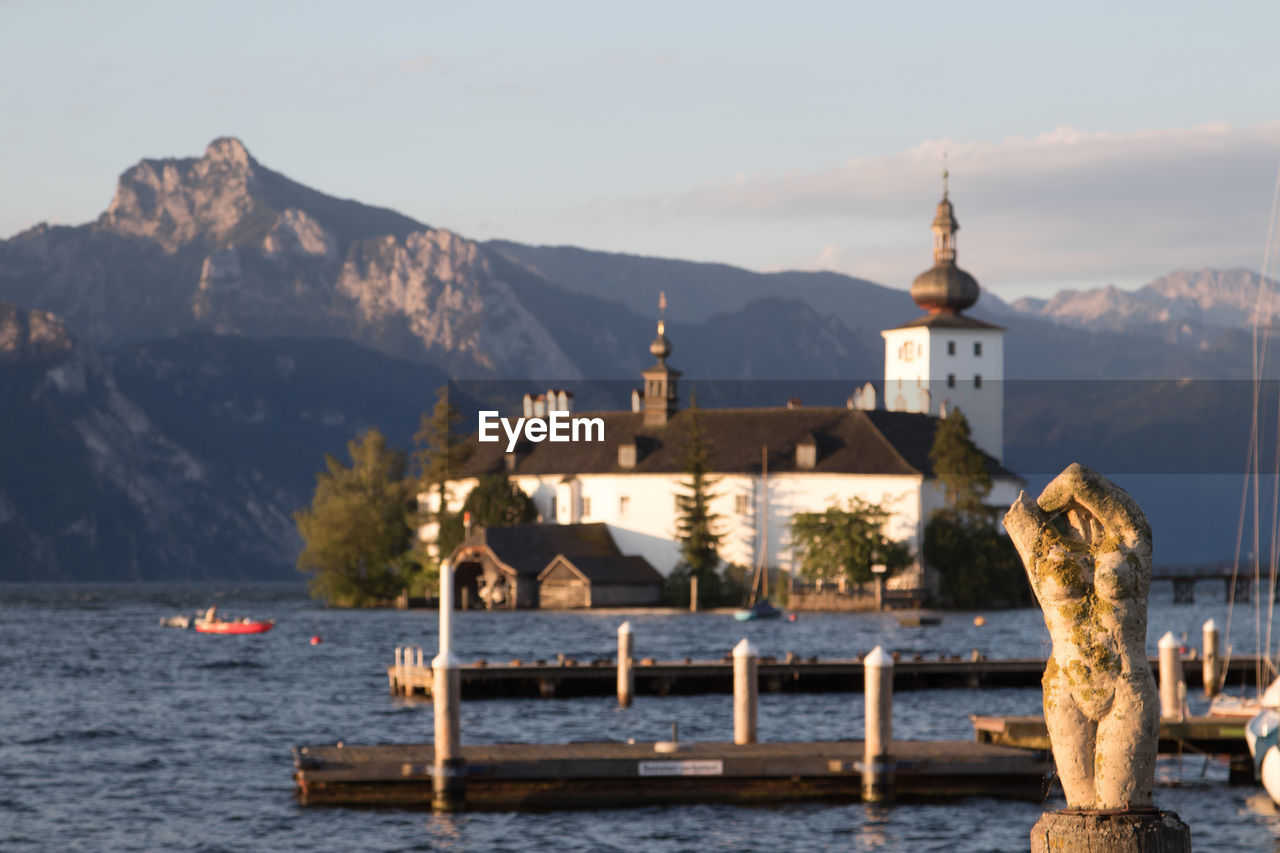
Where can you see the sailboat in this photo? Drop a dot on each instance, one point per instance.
(758, 606)
(1262, 733)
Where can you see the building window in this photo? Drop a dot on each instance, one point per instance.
(951, 347)
(675, 499)
(623, 502)
(586, 506)
(553, 506)
(951, 380)
(977, 347)
(741, 504)
(977, 380)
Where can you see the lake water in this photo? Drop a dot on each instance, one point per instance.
(117, 734)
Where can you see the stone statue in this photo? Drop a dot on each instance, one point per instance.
(1087, 549)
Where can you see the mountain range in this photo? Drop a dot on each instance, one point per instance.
(175, 369)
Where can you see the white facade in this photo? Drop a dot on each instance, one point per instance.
(932, 369)
(641, 513)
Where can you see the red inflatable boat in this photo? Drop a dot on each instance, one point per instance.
(244, 626)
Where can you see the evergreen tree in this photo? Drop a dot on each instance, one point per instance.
(498, 502)
(439, 454)
(976, 562)
(696, 524)
(961, 467)
(356, 530)
(846, 542)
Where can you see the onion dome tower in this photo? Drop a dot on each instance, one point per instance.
(945, 288)
(945, 359)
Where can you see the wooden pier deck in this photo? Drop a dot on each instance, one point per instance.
(1208, 735)
(503, 776)
(1216, 736)
(568, 678)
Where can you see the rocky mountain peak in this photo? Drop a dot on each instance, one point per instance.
(229, 150)
(177, 202)
(1190, 305)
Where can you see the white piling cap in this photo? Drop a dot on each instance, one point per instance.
(877, 657)
(445, 660)
(625, 627)
(1168, 641)
(444, 566)
(744, 649)
(1210, 625)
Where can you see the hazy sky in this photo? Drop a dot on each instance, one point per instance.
(1089, 144)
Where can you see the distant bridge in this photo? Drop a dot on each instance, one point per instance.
(1185, 575)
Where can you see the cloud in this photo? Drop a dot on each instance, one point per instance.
(1065, 206)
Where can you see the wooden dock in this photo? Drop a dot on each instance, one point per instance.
(576, 775)
(567, 678)
(1215, 736)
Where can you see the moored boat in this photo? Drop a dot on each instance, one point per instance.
(1263, 736)
(243, 626)
(762, 609)
(759, 606)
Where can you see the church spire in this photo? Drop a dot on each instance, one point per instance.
(945, 225)
(660, 380)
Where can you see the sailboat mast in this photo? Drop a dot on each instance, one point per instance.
(764, 560)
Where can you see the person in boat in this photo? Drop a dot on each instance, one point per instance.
(1086, 546)
(211, 615)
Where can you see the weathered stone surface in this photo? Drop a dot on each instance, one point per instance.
(1154, 832)
(1086, 546)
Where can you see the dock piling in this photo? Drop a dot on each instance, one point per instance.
(449, 779)
(745, 690)
(1170, 677)
(626, 676)
(877, 761)
(1212, 660)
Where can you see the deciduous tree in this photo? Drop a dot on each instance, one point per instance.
(356, 531)
(846, 542)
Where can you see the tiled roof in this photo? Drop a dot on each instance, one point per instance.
(613, 570)
(528, 548)
(849, 441)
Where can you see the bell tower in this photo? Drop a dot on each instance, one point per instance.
(946, 359)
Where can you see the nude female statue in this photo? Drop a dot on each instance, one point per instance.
(1087, 549)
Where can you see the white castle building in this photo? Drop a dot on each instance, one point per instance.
(817, 457)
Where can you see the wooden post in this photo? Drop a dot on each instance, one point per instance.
(745, 689)
(877, 760)
(1127, 832)
(626, 676)
(1170, 677)
(693, 593)
(1212, 659)
(449, 779)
